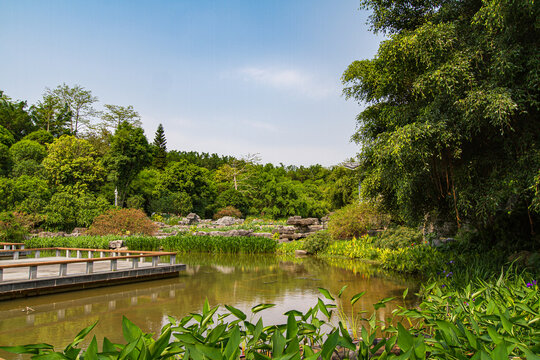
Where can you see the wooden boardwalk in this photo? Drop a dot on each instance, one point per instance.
(30, 276)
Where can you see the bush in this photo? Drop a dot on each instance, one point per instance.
(228, 211)
(40, 136)
(172, 203)
(317, 242)
(66, 211)
(398, 237)
(84, 242)
(355, 220)
(122, 222)
(14, 226)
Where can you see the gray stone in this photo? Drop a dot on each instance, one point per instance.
(298, 221)
(116, 244)
(193, 219)
(300, 252)
(228, 221)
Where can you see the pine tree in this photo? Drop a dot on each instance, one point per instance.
(160, 148)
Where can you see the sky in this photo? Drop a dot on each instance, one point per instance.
(229, 77)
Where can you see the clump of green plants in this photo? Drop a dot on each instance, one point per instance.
(398, 237)
(122, 222)
(218, 244)
(361, 248)
(288, 248)
(15, 226)
(228, 211)
(317, 243)
(355, 220)
(85, 242)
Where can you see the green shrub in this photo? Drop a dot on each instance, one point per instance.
(361, 248)
(355, 220)
(66, 211)
(317, 242)
(122, 222)
(40, 136)
(398, 237)
(288, 248)
(14, 227)
(417, 259)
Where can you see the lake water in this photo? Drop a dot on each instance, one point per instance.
(239, 280)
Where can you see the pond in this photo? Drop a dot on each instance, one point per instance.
(239, 280)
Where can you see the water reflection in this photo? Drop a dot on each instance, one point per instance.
(241, 281)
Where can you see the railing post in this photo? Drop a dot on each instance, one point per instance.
(134, 263)
(37, 253)
(90, 267)
(32, 273)
(57, 253)
(68, 253)
(1, 274)
(90, 254)
(16, 255)
(22, 246)
(173, 259)
(155, 261)
(101, 254)
(142, 258)
(79, 254)
(114, 264)
(63, 270)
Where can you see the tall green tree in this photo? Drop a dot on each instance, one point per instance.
(451, 125)
(128, 155)
(72, 165)
(114, 115)
(78, 101)
(52, 114)
(160, 148)
(14, 117)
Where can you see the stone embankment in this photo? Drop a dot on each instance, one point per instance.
(296, 228)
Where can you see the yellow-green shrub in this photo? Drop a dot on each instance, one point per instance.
(355, 220)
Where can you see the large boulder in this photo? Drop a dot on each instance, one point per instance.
(193, 219)
(116, 244)
(298, 221)
(227, 221)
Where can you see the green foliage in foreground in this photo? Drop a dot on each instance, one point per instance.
(182, 243)
(497, 319)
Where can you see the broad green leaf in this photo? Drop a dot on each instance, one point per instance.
(233, 343)
(405, 339)
(239, 314)
(292, 327)
(92, 350)
(208, 316)
(130, 330)
(405, 293)
(357, 297)
(261, 307)
(329, 345)
(326, 294)
(278, 344)
(209, 352)
(27, 349)
(341, 291)
(108, 346)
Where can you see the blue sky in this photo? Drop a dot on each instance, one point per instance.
(231, 77)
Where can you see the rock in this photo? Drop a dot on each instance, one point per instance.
(51, 234)
(79, 230)
(193, 219)
(116, 244)
(300, 252)
(265, 235)
(298, 221)
(227, 221)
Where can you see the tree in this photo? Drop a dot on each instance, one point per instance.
(14, 117)
(237, 171)
(191, 179)
(160, 149)
(128, 155)
(26, 156)
(6, 137)
(72, 165)
(52, 114)
(114, 115)
(451, 123)
(77, 100)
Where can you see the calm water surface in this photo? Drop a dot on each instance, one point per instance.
(242, 281)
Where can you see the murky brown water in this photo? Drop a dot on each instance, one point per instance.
(241, 281)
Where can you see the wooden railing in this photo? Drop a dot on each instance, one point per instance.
(33, 265)
(11, 245)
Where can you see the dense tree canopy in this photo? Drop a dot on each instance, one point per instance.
(451, 125)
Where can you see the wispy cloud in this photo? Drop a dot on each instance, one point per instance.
(288, 80)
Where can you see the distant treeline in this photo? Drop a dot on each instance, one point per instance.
(62, 162)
